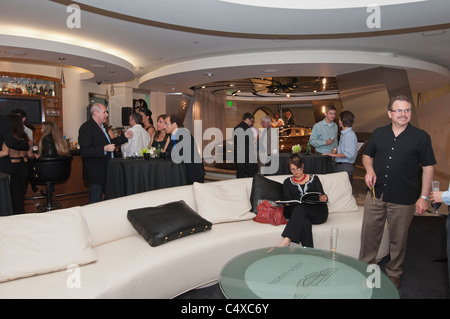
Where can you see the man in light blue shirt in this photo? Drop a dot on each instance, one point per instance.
(441, 196)
(324, 133)
(348, 145)
(444, 197)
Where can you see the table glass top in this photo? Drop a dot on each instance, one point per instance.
(302, 273)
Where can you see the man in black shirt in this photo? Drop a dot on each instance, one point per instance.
(182, 148)
(245, 148)
(392, 160)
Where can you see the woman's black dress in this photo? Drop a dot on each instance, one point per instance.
(302, 216)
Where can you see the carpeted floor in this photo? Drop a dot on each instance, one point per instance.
(425, 270)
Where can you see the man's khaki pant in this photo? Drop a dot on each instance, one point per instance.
(398, 217)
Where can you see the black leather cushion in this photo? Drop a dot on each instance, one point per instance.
(264, 188)
(167, 222)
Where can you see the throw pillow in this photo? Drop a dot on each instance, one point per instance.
(167, 222)
(221, 203)
(33, 244)
(264, 188)
(339, 191)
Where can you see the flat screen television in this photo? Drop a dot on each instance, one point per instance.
(32, 107)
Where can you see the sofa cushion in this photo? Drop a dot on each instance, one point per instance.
(339, 191)
(221, 203)
(264, 188)
(167, 222)
(33, 244)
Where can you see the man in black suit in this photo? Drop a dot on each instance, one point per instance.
(7, 137)
(289, 119)
(97, 147)
(245, 148)
(182, 148)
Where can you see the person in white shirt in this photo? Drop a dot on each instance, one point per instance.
(277, 121)
(140, 138)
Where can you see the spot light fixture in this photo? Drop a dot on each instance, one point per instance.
(63, 80)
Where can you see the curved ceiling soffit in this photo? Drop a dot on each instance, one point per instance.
(271, 36)
(101, 66)
(364, 59)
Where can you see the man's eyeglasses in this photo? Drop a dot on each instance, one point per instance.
(399, 111)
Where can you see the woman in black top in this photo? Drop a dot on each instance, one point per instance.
(147, 122)
(161, 137)
(299, 226)
(52, 142)
(19, 176)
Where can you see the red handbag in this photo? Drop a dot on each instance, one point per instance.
(270, 213)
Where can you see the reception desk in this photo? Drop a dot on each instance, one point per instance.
(130, 176)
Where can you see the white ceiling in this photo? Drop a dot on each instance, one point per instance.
(172, 45)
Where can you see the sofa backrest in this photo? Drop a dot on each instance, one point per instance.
(336, 185)
(107, 220)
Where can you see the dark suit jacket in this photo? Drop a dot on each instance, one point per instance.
(195, 170)
(245, 148)
(92, 140)
(6, 136)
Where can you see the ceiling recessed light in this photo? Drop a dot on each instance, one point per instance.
(100, 66)
(208, 74)
(16, 52)
(433, 33)
(62, 59)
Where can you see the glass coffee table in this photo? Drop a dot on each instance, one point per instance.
(303, 273)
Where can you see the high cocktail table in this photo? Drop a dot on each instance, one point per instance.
(302, 273)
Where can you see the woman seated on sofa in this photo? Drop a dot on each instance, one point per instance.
(52, 142)
(299, 226)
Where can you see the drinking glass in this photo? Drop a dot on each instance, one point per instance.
(435, 185)
(333, 239)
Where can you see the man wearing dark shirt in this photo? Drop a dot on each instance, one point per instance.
(182, 148)
(96, 148)
(392, 160)
(245, 148)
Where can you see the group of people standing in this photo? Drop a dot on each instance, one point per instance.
(277, 121)
(97, 146)
(16, 141)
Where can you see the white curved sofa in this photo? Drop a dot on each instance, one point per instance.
(121, 264)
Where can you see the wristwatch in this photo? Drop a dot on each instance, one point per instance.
(425, 197)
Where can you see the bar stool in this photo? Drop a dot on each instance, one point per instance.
(49, 171)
